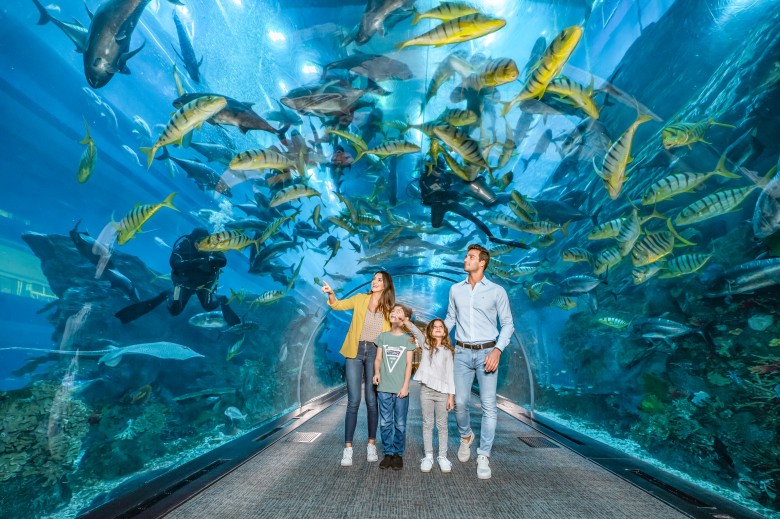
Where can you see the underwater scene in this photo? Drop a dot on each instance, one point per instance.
(184, 175)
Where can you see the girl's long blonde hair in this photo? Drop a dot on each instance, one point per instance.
(445, 341)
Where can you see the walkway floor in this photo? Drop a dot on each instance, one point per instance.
(305, 480)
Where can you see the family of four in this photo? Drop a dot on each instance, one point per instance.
(378, 351)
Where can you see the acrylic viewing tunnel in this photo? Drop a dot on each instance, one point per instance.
(183, 177)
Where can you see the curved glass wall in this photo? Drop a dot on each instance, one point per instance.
(629, 142)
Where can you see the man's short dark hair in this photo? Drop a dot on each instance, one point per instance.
(484, 254)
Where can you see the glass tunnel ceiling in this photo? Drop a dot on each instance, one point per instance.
(651, 354)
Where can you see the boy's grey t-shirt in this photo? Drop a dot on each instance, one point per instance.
(393, 369)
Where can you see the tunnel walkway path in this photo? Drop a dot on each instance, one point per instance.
(305, 480)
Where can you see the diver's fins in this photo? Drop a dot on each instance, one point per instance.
(136, 310)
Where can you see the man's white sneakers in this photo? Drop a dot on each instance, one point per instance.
(483, 467)
(464, 451)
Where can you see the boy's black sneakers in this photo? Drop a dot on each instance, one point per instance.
(386, 461)
(398, 462)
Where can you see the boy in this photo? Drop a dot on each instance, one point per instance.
(392, 371)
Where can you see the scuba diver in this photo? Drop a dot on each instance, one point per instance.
(192, 272)
(438, 192)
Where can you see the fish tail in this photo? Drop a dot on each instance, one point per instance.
(45, 16)
(168, 202)
(417, 17)
(676, 234)
(643, 118)
(149, 152)
(721, 170)
(86, 139)
(713, 122)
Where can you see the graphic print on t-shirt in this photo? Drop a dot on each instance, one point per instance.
(392, 355)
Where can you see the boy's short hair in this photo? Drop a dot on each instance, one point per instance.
(407, 310)
(484, 254)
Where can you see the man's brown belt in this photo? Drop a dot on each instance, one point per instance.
(476, 345)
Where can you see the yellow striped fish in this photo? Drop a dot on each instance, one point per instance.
(519, 212)
(606, 230)
(291, 193)
(227, 240)
(629, 233)
(316, 218)
(464, 145)
(534, 291)
(340, 222)
(88, 157)
(641, 274)
(456, 117)
(575, 94)
(545, 240)
(523, 203)
(492, 74)
(613, 322)
(508, 148)
(500, 251)
(274, 226)
(134, 220)
(652, 248)
(552, 61)
(564, 302)
(458, 30)
(267, 298)
(543, 227)
(261, 159)
(451, 65)
(350, 208)
(367, 220)
(388, 148)
(187, 118)
(606, 259)
(445, 11)
(613, 170)
(713, 205)
(684, 265)
(684, 134)
(682, 183)
(469, 175)
(576, 254)
(357, 141)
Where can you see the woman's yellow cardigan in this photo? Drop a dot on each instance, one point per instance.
(359, 306)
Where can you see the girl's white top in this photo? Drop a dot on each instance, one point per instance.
(436, 366)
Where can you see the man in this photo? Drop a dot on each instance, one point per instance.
(192, 272)
(474, 306)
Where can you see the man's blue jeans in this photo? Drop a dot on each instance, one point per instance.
(361, 370)
(392, 422)
(467, 364)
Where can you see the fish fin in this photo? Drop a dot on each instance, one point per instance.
(89, 13)
(149, 152)
(45, 16)
(187, 139)
(86, 139)
(721, 170)
(715, 123)
(112, 362)
(675, 233)
(168, 202)
(123, 58)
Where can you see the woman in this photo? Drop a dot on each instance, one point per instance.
(370, 317)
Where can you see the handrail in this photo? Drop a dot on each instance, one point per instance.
(426, 274)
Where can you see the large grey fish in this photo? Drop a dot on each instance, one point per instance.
(208, 320)
(664, 329)
(97, 253)
(75, 31)
(746, 278)
(111, 357)
(108, 42)
(187, 55)
(373, 21)
(373, 66)
(576, 285)
(766, 217)
(235, 113)
(206, 178)
(214, 152)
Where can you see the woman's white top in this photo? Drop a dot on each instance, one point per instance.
(436, 368)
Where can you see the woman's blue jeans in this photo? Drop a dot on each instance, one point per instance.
(360, 370)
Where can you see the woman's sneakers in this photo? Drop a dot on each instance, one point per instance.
(371, 454)
(464, 451)
(444, 464)
(426, 464)
(346, 457)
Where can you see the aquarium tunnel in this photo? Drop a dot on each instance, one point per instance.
(186, 178)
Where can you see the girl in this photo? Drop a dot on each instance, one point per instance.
(437, 389)
(370, 317)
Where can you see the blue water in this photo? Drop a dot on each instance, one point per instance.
(702, 403)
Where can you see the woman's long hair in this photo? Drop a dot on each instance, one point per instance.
(445, 341)
(387, 299)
